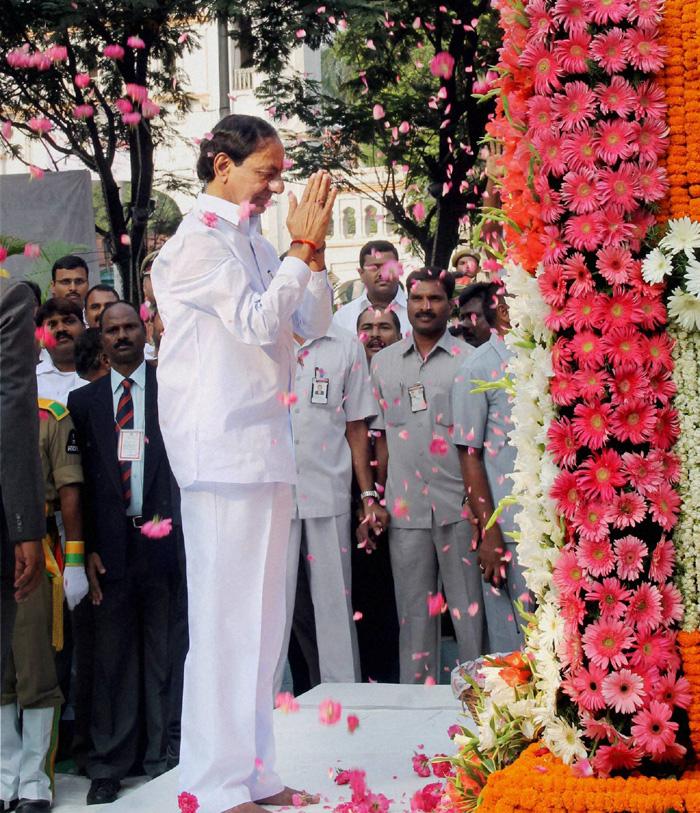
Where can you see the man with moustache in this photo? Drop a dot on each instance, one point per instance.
(430, 533)
(127, 483)
(62, 321)
(225, 366)
(97, 297)
(379, 271)
(377, 329)
(474, 327)
(69, 279)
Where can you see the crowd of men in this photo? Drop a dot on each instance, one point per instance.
(401, 461)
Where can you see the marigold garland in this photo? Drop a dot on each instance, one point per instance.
(538, 781)
(689, 644)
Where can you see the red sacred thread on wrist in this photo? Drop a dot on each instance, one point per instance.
(309, 243)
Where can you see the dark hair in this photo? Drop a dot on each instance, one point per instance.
(57, 305)
(110, 305)
(493, 297)
(69, 262)
(88, 347)
(432, 274)
(237, 136)
(389, 309)
(377, 246)
(477, 290)
(101, 286)
(34, 288)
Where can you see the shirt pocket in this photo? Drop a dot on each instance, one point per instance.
(442, 409)
(395, 413)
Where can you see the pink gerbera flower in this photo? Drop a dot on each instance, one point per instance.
(583, 311)
(599, 729)
(563, 389)
(545, 69)
(572, 53)
(561, 443)
(541, 21)
(561, 355)
(652, 727)
(539, 113)
(571, 14)
(647, 13)
(650, 138)
(575, 106)
(591, 424)
(608, 49)
(554, 247)
(605, 642)
(576, 270)
(623, 691)
(667, 428)
(596, 556)
(587, 685)
(578, 149)
(642, 220)
(662, 386)
(601, 474)
(658, 352)
(651, 650)
(664, 505)
(630, 552)
(566, 493)
(644, 51)
(629, 509)
(551, 208)
(549, 146)
(628, 382)
(644, 608)
(617, 231)
(611, 597)
(585, 232)
(567, 573)
(651, 100)
(578, 191)
(592, 523)
(618, 187)
(668, 465)
(674, 691)
(614, 264)
(634, 421)
(622, 346)
(652, 312)
(653, 182)
(552, 285)
(606, 11)
(671, 604)
(587, 349)
(617, 757)
(643, 474)
(557, 319)
(617, 97)
(591, 383)
(615, 140)
(618, 309)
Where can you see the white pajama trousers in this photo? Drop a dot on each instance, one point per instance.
(236, 539)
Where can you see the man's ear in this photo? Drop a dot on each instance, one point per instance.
(222, 166)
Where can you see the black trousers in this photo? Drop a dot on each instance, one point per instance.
(131, 669)
(8, 605)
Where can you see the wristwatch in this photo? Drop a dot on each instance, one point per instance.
(372, 494)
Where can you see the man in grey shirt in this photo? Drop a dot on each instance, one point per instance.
(430, 534)
(482, 422)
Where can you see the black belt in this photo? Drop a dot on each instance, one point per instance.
(137, 522)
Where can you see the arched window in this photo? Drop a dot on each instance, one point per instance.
(371, 222)
(349, 224)
(389, 223)
(331, 227)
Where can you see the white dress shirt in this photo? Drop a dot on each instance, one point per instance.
(226, 359)
(347, 316)
(53, 384)
(138, 397)
(324, 464)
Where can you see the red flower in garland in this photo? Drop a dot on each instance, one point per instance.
(601, 474)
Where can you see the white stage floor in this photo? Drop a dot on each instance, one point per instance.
(395, 721)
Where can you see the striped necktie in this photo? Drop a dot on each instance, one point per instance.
(125, 420)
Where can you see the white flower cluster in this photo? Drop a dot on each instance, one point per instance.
(686, 534)
(674, 261)
(541, 533)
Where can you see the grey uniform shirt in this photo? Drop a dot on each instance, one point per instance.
(426, 483)
(482, 420)
(332, 388)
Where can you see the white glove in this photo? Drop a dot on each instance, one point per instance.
(75, 584)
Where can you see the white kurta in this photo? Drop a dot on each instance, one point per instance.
(226, 361)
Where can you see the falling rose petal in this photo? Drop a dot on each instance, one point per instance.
(82, 80)
(418, 211)
(45, 337)
(329, 712)
(453, 730)
(135, 42)
(357, 616)
(353, 722)
(145, 311)
(123, 106)
(287, 163)
(439, 447)
(430, 681)
(183, 38)
(298, 800)
(259, 765)
(245, 210)
(187, 802)
(370, 44)
(157, 528)
(582, 769)
(36, 172)
(32, 250)
(125, 240)
(442, 65)
(300, 33)
(436, 604)
(210, 219)
(113, 51)
(403, 434)
(6, 130)
(286, 702)
(131, 119)
(378, 112)
(83, 111)
(149, 109)
(473, 608)
(136, 92)
(400, 509)
(287, 398)
(40, 124)
(3, 253)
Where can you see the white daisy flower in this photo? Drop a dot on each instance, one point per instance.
(683, 235)
(655, 266)
(685, 309)
(692, 277)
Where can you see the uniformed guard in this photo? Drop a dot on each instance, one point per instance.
(30, 685)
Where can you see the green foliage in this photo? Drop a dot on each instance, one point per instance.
(164, 218)
(13, 245)
(50, 252)
(427, 141)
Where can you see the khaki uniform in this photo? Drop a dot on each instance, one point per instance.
(29, 681)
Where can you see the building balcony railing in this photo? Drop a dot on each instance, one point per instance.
(242, 79)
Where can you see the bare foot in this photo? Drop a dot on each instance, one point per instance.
(286, 797)
(246, 807)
